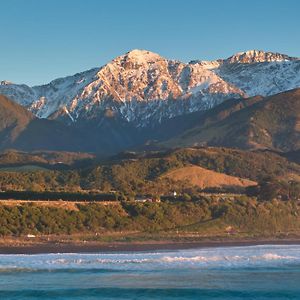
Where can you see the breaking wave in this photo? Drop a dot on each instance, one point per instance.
(258, 272)
(174, 259)
(231, 257)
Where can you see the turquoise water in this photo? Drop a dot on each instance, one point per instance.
(256, 272)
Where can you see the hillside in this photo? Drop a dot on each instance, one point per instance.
(205, 178)
(254, 123)
(13, 119)
(143, 173)
(207, 218)
(13, 158)
(293, 156)
(20, 129)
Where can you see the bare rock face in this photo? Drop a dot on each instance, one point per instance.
(260, 73)
(258, 56)
(143, 88)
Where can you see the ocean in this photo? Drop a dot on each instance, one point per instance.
(248, 272)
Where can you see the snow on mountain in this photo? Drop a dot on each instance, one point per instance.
(142, 87)
(44, 100)
(264, 79)
(21, 93)
(258, 56)
(259, 73)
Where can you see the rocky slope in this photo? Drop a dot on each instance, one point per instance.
(142, 97)
(261, 73)
(139, 87)
(143, 88)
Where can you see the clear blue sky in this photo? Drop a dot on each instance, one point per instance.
(45, 39)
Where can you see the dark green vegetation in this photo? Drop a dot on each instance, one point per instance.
(254, 123)
(270, 188)
(61, 196)
(293, 156)
(207, 217)
(142, 173)
(45, 159)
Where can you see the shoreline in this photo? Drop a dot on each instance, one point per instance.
(97, 247)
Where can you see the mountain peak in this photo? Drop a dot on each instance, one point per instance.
(140, 87)
(257, 56)
(141, 53)
(139, 57)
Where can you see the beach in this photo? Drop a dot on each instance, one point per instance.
(32, 247)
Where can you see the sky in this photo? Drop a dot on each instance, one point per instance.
(45, 39)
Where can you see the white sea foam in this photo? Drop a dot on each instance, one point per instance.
(274, 256)
(229, 257)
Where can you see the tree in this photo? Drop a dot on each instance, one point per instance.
(186, 197)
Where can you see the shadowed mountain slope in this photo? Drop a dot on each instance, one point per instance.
(255, 123)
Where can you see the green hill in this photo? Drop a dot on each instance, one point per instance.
(144, 172)
(255, 123)
(20, 129)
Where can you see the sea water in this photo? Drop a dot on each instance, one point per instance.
(255, 272)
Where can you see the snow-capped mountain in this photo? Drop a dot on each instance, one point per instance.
(140, 87)
(258, 73)
(143, 88)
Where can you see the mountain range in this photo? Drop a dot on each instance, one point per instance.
(142, 98)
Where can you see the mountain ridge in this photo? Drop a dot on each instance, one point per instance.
(142, 87)
(255, 123)
(142, 98)
(20, 129)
